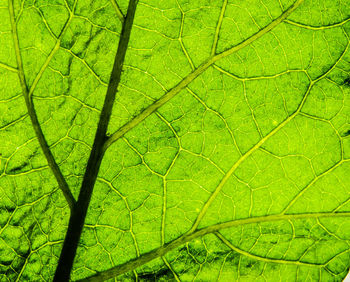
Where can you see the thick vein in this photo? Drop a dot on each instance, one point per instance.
(194, 74)
(77, 219)
(33, 117)
(161, 251)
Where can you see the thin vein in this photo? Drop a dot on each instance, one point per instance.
(255, 257)
(49, 57)
(7, 67)
(317, 27)
(302, 192)
(180, 36)
(22, 117)
(117, 10)
(260, 143)
(242, 159)
(171, 269)
(218, 115)
(218, 27)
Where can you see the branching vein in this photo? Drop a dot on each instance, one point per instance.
(161, 251)
(194, 74)
(33, 117)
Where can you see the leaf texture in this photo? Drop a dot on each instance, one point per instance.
(226, 156)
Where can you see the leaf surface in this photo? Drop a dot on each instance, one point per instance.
(228, 150)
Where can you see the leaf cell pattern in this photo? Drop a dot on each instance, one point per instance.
(228, 150)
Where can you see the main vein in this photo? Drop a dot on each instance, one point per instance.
(164, 99)
(33, 117)
(76, 221)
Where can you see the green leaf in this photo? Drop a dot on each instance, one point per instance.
(213, 144)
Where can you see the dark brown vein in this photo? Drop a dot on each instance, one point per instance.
(76, 221)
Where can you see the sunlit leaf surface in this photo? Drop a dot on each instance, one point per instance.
(246, 165)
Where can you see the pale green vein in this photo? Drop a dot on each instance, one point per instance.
(331, 125)
(75, 99)
(336, 63)
(200, 155)
(52, 53)
(292, 202)
(33, 252)
(219, 116)
(32, 170)
(94, 226)
(329, 232)
(251, 110)
(194, 74)
(32, 114)
(141, 157)
(241, 160)
(337, 255)
(268, 260)
(317, 27)
(7, 67)
(222, 267)
(234, 76)
(86, 65)
(45, 22)
(117, 10)
(132, 233)
(154, 31)
(184, 50)
(171, 269)
(164, 205)
(97, 25)
(218, 27)
(161, 251)
(17, 149)
(11, 99)
(148, 74)
(259, 144)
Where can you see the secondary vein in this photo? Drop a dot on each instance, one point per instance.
(33, 117)
(118, 11)
(161, 251)
(194, 74)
